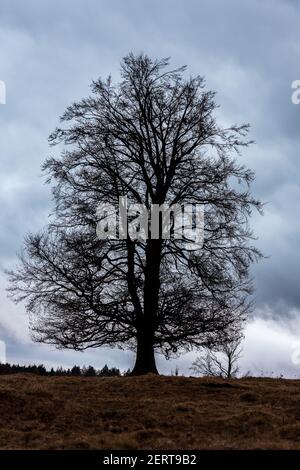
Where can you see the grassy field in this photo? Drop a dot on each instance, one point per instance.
(148, 413)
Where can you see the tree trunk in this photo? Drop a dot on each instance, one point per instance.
(145, 358)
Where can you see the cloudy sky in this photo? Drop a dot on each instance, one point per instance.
(249, 52)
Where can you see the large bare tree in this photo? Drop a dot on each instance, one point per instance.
(154, 139)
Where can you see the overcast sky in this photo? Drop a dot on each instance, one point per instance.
(249, 52)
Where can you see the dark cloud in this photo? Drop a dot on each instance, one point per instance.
(248, 51)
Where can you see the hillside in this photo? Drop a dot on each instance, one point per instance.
(148, 413)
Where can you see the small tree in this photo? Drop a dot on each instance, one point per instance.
(109, 372)
(90, 371)
(222, 363)
(76, 371)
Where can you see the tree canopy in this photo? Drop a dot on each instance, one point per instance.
(153, 138)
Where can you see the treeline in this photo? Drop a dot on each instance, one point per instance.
(75, 371)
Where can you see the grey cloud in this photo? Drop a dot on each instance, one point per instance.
(248, 51)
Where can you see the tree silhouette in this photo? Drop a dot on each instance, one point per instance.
(154, 139)
(222, 363)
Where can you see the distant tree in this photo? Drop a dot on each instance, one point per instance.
(59, 371)
(90, 371)
(223, 363)
(76, 371)
(115, 372)
(154, 139)
(41, 369)
(109, 372)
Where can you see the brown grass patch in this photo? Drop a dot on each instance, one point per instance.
(148, 413)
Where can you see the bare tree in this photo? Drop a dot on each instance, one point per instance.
(222, 363)
(154, 139)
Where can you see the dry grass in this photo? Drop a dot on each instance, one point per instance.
(148, 413)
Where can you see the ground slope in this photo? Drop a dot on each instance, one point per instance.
(148, 413)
